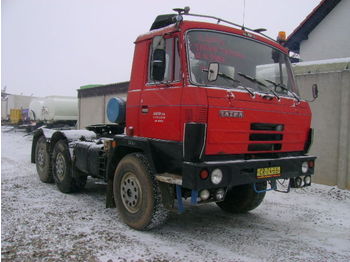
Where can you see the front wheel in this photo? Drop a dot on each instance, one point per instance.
(243, 198)
(62, 169)
(137, 194)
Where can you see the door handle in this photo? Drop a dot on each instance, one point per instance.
(144, 109)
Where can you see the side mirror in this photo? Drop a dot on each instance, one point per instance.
(213, 72)
(158, 65)
(314, 91)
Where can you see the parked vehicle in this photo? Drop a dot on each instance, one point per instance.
(212, 114)
(54, 109)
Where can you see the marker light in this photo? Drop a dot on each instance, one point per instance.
(204, 174)
(311, 164)
(130, 131)
(281, 36)
(216, 176)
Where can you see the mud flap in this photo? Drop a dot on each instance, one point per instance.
(167, 192)
(110, 203)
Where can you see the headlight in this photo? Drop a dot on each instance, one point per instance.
(216, 176)
(304, 167)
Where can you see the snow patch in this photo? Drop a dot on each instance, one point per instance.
(39, 223)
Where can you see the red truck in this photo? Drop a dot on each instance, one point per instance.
(213, 114)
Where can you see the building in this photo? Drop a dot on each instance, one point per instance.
(93, 100)
(10, 101)
(324, 33)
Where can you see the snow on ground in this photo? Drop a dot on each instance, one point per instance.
(41, 224)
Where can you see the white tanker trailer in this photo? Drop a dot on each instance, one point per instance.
(54, 109)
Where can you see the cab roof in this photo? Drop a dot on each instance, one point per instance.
(188, 25)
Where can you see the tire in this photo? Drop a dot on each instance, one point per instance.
(62, 170)
(137, 194)
(243, 198)
(43, 161)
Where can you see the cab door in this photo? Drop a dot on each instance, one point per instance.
(161, 95)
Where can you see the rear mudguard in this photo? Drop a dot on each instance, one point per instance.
(52, 136)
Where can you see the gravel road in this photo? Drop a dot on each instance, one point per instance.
(41, 224)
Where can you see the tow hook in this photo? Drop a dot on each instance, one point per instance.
(272, 184)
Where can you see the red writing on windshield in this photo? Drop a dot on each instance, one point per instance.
(214, 53)
(210, 39)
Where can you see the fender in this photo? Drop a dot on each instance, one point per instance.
(124, 145)
(52, 136)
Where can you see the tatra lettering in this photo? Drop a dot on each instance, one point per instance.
(229, 113)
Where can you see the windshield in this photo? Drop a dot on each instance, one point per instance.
(242, 62)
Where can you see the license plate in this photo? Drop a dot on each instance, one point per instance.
(267, 172)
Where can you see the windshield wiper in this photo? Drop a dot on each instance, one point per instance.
(254, 80)
(223, 75)
(284, 88)
(237, 82)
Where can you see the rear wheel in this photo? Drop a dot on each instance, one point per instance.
(42, 161)
(62, 169)
(243, 198)
(137, 194)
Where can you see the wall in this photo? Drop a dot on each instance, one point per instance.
(93, 102)
(331, 118)
(92, 110)
(330, 38)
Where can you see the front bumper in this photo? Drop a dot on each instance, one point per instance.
(239, 172)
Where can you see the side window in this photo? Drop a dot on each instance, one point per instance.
(168, 68)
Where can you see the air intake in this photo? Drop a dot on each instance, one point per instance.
(163, 21)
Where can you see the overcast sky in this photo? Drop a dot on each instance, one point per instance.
(52, 47)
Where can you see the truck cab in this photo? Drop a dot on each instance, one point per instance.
(251, 109)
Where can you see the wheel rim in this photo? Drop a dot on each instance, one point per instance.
(131, 193)
(41, 157)
(60, 165)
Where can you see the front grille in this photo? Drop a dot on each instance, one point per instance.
(264, 147)
(264, 137)
(266, 127)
